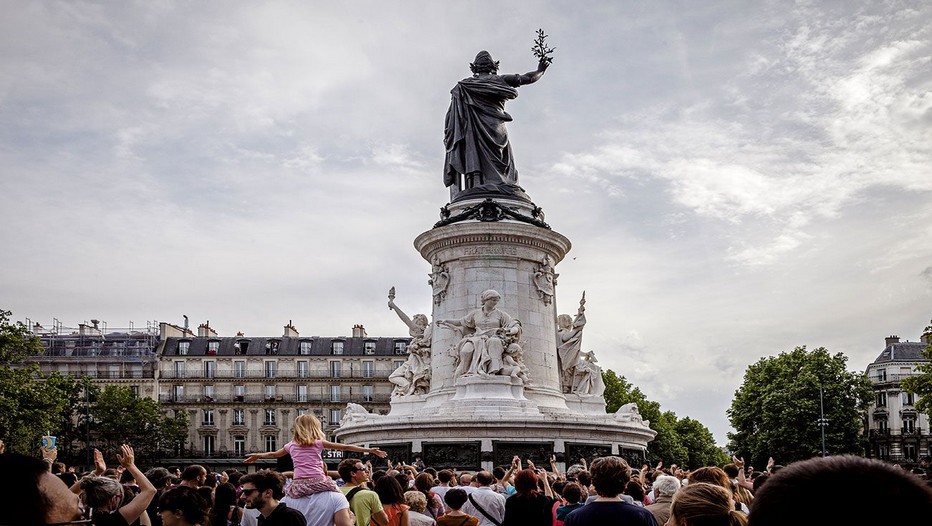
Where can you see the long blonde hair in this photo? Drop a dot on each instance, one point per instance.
(307, 430)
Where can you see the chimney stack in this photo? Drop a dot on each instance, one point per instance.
(890, 340)
(204, 331)
(290, 331)
(359, 331)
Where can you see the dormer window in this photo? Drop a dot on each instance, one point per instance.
(271, 347)
(369, 348)
(401, 347)
(304, 348)
(240, 347)
(183, 348)
(213, 346)
(336, 347)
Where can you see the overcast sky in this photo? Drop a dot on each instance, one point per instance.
(737, 178)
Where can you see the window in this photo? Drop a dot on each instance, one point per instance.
(270, 417)
(239, 369)
(210, 369)
(302, 393)
(208, 445)
(335, 416)
(239, 445)
(243, 346)
(302, 369)
(300, 411)
(213, 347)
(335, 369)
(368, 369)
(304, 348)
(271, 443)
(401, 347)
(367, 393)
(135, 390)
(334, 393)
(883, 451)
(208, 417)
(239, 393)
(881, 399)
(271, 347)
(209, 393)
(882, 426)
(881, 375)
(908, 398)
(239, 417)
(178, 393)
(396, 364)
(179, 369)
(271, 368)
(369, 348)
(909, 451)
(909, 426)
(336, 347)
(183, 348)
(270, 392)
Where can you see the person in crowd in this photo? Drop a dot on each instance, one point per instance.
(841, 490)
(700, 503)
(484, 502)
(634, 490)
(182, 506)
(105, 495)
(742, 486)
(160, 479)
(572, 496)
(584, 477)
(310, 474)
(425, 484)
(263, 491)
(327, 508)
(392, 497)
(664, 488)
(609, 477)
(224, 511)
(194, 476)
(418, 515)
(454, 499)
(465, 479)
(30, 495)
(529, 506)
(716, 475)
(501, 485)
(363, 502)
(445, 480)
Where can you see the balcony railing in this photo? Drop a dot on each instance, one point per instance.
(277, 399)
(280, 374)
(887, 433)
(888, 378)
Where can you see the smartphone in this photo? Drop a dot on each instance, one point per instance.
(48, 442)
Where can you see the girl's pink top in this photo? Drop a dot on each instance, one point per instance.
(307, 461)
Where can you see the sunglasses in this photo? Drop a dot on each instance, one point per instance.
(360, 469)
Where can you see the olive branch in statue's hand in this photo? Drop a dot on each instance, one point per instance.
(540, 49)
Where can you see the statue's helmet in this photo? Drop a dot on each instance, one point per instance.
(484, 63)
(489, 294)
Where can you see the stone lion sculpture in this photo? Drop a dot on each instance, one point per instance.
(629, 413)
(354, 413)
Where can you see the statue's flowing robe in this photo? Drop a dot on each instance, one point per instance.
(474, 134)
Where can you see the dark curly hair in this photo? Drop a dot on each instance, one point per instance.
(186, 501)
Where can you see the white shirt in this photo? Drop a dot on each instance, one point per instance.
(491, 501)
(319, 508)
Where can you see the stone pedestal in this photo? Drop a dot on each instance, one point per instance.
(476, 421)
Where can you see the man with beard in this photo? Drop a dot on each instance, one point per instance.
(262, 491)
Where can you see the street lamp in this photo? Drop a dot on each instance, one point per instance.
(822, 420)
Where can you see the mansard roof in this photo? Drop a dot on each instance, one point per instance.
(286, 345)
(902, 352)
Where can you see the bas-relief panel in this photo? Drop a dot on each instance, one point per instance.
(538, 452)
(455, 455)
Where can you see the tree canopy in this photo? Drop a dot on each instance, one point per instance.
(776, 410)
(685, 442)
(921, 383)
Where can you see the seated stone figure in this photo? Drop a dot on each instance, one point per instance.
(486, 333)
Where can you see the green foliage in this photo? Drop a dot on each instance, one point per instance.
(775, 411)
(921, 384)
(685, 442)
(121, 417)
(29, 406)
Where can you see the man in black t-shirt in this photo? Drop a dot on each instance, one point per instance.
(262, 490)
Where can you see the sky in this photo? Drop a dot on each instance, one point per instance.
(737, 178)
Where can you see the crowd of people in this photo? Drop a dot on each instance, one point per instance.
(606, 491)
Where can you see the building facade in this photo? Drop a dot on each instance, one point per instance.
(241, 394)
(896, 430)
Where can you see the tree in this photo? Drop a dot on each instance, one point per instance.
(30, 406)
(921, 383)
(776, 410)
(685, 442)
(121, 417)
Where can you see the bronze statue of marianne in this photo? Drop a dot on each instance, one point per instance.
(478, 160)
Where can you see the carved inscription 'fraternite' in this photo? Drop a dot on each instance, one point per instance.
(490, 251)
